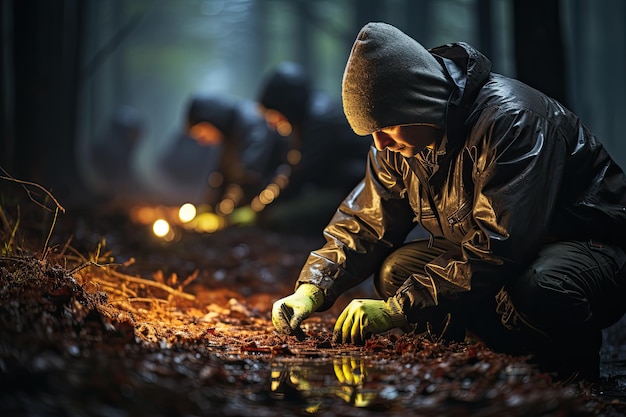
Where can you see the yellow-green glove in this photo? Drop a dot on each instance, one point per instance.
(362, 318)
(302, 303)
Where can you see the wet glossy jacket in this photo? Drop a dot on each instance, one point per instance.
(515, 170)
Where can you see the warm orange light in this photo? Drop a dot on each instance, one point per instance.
(226, 206)
(276, 120)
(284, 128)
(272, 117)
(256, 204)
(206, 134)
(266, 196)
(142, 214)
(281, 181)
(294, 156)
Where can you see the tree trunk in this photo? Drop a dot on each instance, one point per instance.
(45, 41)
(539, 52)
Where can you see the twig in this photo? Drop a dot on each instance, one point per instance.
(45, 246)
(189, 279)
(15, 259)
(432, 336)
(108, 288)
(13, 230)
(24, 184)
(82, 266)
(143, 281)
(67, 244)
(32, 184)
(136, 280)
(78, 256)
(147, 300)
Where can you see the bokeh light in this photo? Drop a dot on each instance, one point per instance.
(187, 212)
(161, 228)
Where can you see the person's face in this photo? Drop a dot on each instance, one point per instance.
(276, 120)
(407, 140)
(206, 134)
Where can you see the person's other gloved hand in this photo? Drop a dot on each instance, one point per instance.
(303, 302)
(363, 317)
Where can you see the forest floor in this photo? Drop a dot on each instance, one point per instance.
(101, 318)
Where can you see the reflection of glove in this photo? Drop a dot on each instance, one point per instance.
(351, 373)
(350, 370)
(363, 317)
(242, 216)
(302, 303)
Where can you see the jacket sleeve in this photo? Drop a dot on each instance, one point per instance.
(255, 140)
(517, 159)
(373, 219)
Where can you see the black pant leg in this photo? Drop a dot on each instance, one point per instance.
(410, 259)
(562, 301)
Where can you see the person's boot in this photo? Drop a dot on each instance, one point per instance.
(572, 358)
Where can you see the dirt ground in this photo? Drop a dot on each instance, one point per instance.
(103, 319)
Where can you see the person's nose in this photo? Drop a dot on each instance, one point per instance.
(382, 140)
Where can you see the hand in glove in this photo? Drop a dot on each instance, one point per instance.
(301, 303)
(361, 318)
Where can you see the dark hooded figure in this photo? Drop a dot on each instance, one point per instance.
(234, 140)
(525, 209)
(326, 158)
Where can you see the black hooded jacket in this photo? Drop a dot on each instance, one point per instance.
(514, 171)
(332, 156)
(248, 155)
(249, 148)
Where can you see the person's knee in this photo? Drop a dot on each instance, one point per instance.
(386, 282)
(405, 261)
(548, 299)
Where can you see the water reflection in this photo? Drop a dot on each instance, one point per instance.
(313, 383)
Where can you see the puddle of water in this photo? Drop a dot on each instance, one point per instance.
(353, 379)
(375, 384)
(314, 384)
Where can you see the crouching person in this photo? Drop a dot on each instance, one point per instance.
(525, 209)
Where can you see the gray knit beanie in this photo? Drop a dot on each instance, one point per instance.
(390, 79)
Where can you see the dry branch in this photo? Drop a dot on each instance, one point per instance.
(143, 281)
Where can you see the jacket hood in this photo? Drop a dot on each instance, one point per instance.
(287, 89)
(218, 110)
(467, 67)
(390, 79)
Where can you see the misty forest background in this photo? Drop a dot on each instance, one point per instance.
(67, 65)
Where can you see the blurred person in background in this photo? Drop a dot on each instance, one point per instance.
(185, 165)
(325, 158)
(113, 156)
(525, 208)
(241, 153)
